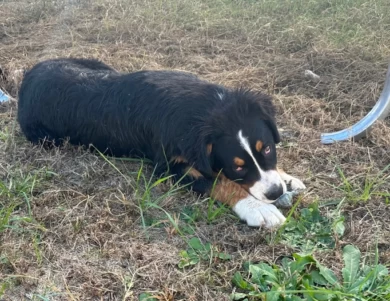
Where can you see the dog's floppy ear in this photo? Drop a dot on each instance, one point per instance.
(203, 160)
(265, 102)
(275, 133)
(268, 108)
(198, 152)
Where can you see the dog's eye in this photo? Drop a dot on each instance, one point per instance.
(267, 150)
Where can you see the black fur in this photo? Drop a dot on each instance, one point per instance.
(160, 115)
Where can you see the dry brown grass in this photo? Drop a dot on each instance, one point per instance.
(83, 238)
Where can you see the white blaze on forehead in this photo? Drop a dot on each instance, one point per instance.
(245, 145)
(268, 179)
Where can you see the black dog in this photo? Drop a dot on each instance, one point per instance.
(193, 128)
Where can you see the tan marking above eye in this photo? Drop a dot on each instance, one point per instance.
(259, 145)
(239, 161)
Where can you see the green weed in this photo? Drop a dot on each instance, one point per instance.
(147, 297)
(304, 278)
(311, 230)
(197, 251)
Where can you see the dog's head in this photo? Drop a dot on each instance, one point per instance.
(244, 144)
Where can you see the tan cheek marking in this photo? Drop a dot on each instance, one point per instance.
(239, 161)
(227, 191)
(193, 173)
(259, 145)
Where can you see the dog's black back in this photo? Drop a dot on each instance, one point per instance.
(146, 113)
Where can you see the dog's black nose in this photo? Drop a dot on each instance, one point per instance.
(275, 192)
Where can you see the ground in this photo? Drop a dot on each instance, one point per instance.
(78, 226)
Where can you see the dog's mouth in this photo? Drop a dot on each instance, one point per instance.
(267, 190)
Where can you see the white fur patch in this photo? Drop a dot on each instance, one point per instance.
(268, 179)
(257, 213)
(220, 95)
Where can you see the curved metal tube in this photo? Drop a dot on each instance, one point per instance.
(3, 96)
(379, 112)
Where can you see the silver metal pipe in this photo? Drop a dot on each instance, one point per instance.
(3, 97)
(379, 112)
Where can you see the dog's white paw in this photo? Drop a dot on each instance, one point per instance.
(257, 213)
(294, 183)
(297, 184)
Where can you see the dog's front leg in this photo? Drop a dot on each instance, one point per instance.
(256, 213)
(294, 183)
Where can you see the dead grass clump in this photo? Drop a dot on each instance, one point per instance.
(380, 134)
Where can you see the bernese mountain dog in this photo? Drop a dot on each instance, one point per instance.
(217, 140)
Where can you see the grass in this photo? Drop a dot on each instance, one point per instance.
(363, 192)
(143, 194)
(16, 216)
(79, 226)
